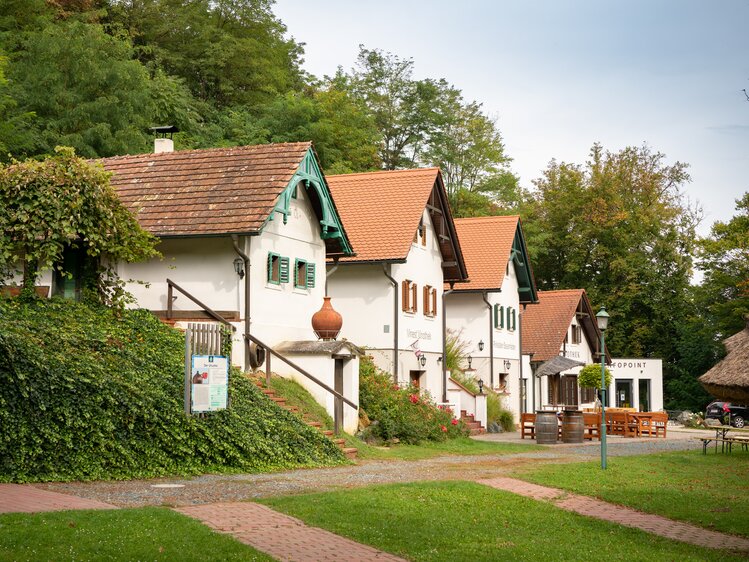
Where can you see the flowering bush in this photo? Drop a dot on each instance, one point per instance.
(402, 413)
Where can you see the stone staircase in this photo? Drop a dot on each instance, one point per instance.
(475, 426)
(350, 452)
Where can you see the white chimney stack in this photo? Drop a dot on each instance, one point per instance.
(163, 145)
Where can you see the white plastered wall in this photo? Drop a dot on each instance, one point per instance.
(636, 370)
(364, 297)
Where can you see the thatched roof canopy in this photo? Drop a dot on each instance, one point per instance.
(729, 379)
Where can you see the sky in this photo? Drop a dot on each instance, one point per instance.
(561, 75)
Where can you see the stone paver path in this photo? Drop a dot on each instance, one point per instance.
(626, 516)
(279, 535)
(21, 498)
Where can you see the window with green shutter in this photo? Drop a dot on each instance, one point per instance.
(509, 318)
(304, 274)
(278, 269)
(499, 316)
(274, 268)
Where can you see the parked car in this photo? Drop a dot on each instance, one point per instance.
(719, 411)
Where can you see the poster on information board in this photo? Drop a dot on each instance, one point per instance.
(210, 383)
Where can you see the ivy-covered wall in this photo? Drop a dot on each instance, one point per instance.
(87, 393)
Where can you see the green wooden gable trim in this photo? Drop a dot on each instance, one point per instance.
(523, 272)
(310, 176)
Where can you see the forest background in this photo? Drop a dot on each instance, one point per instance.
(95, 75)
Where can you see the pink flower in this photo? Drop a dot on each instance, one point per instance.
(414, 398)
(443, 428)
(454, 421)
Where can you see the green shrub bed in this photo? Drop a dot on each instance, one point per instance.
(90, 393)
(404, 414)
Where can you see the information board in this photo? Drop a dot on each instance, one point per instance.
(210, 383)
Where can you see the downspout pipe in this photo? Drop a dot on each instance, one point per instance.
(520, 357)
(247, 285)
(491, 337)
(396, 314)
(444, 344)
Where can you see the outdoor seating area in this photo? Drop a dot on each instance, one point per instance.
(739, 438)
(625, 422)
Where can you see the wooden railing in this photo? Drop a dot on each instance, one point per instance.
(338, 398)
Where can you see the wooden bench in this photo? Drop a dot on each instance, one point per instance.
(592, 423)
(725, 443)
(619, 423)
(528, 425)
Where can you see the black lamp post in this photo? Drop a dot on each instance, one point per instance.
(602, 318)
(481, 386)
(470, 359)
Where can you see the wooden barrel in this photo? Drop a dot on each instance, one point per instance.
(573, 426)
(547, 429)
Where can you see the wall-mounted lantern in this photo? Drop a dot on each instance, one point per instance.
(423, 360)
(481, 345)
(239, 267)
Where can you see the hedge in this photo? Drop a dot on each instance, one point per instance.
(89, 393)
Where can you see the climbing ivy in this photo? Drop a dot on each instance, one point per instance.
(88, 393)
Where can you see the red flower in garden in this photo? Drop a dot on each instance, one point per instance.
(443, 428)
(454, 421)
(414, 398)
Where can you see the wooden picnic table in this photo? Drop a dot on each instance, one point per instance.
(726, 442)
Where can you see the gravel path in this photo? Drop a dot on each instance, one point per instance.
(214, 488)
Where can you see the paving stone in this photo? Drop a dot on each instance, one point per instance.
(281, 536)
(23, 498)
(592, 507)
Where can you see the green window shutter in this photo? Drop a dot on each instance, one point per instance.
(270, 266)
(310, 275)
(501, 316)
(509, 318)
(284, 273)
(514, 318)
(496, 316)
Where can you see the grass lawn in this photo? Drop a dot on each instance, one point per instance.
(126, 534)
(468, 521)
(429, 449)
(708, 490)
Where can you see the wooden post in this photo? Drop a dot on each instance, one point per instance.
(169, 301)
(188, 369)
(267, 369)
(337, 401)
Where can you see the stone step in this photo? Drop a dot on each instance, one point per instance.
(328, 433)
(339, 442)
(467, 419)
(350, 452)
(478, 431)
(314, 424)
(278, 399)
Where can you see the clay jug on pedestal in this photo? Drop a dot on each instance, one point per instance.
(326, 322)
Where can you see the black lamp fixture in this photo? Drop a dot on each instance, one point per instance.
(423, 360)
(470, 359)
(481, 345)
(239, 267)
(507, 365)
(481, 386)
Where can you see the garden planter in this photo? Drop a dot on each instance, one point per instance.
(326, 322)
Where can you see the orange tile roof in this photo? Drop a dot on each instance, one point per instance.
(486, 243)
(545, 324)
(205, 192)
(381, 212)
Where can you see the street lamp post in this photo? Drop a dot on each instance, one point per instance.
(602, 318)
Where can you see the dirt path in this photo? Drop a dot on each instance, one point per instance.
(215, 488)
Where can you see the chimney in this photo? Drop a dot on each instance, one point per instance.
(162, 145)
(162, 142)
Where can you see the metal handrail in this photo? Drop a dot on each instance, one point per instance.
(302, 371)
(215, 315)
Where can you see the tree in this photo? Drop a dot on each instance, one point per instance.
(403, 109)
(620, 227)
(724, 258)
(63, 201)
(84, 89)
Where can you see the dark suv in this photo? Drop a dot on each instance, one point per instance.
(719, 410)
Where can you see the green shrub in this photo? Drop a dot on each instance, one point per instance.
(495, 413)
(590, 376)
(402, 413)
(87, 393)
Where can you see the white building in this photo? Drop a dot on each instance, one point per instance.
(561, 324)
(637, 383)
(390, 293)
(244, 232)
(485, 313)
